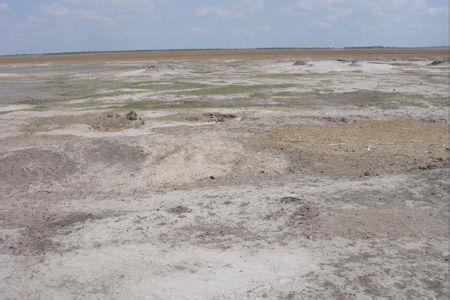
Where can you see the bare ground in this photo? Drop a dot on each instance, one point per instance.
(240, 178)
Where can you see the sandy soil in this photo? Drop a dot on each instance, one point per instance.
(243, 175)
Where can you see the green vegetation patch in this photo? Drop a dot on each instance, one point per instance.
(160, 87)
(192, 104)
(361, 98)
(232, 89)
(78, 93)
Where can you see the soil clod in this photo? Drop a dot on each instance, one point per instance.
(132, 116)
(220, 118)
(178, 210)
(300, 63)
(289, 200)
(437, 62)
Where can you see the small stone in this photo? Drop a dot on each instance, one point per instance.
(132, 116)
(212, 177)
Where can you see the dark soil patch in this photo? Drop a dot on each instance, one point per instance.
(115, 122)
(112, 152)
(178, 210)
(304, 214)
(300, 63)
(38, 237)
(200, 117)
(34, 165)
(288, 200)
(211, 235)
(218, 117)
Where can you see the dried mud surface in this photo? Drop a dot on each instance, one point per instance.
(225, 175)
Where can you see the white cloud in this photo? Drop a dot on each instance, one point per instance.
(248, 5)
(344, 8)
(420, 27)
(436, 10)
(336, 7)
(265, 28)
(55, 9)
(58, 10)
(106, 11)
(238, 10)
(3, 6)
(125, 6)
(93, 15)
(321, 24)
(242, 32)
(198, 30)
(218, 11)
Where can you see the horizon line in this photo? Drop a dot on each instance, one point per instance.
(220, 49)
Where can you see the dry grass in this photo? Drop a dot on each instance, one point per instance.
(204, 54)
(363, 148)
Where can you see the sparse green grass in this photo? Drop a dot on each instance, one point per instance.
(366, 98)
(192, 104)
(361, 98)
(159, 87)
(283, 99)
(233, 89)
(285, 94)
(288, 100)
(41, 104)
(78, 93)
(59, 79)
(438, 101)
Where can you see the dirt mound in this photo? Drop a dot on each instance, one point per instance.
(149, 68)
(218, 117)
(112, 152)
(214, 117)
(34, 165)
(355, 63)
(132, 116)
(303, 215)
(38, 238)
(438, 62)
(97, 121)
(116, 122)
(179, 210)
(300, 63)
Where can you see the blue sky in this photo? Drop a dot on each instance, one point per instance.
(40, 26)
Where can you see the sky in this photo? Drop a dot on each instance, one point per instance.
(45, 26)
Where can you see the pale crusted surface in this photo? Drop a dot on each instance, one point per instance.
(241, 178)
